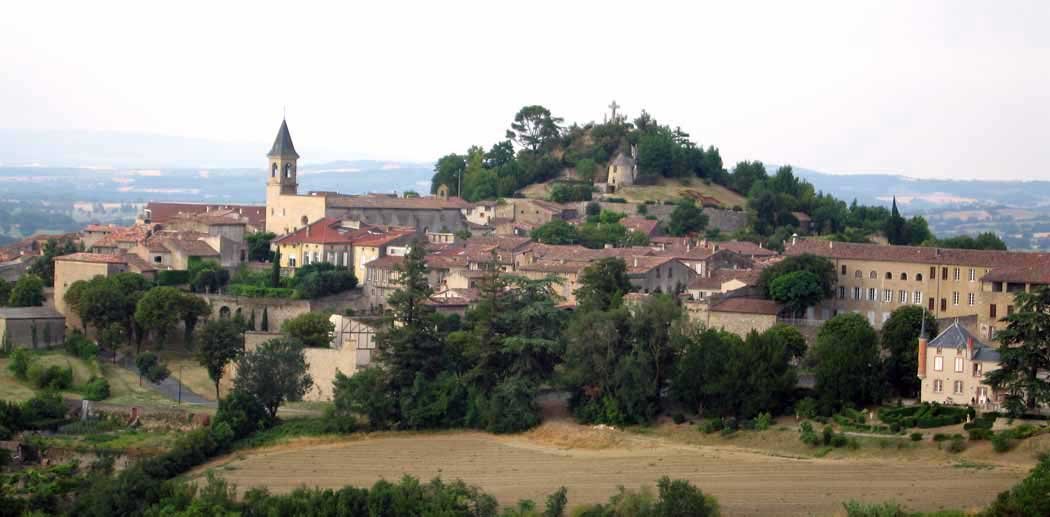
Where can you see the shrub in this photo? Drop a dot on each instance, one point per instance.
(20, 361)
(173, 277)
(42, 410)
(52, 377)
(242, 413)
(97, 388)
(839, 440)
(678, 418)
(859, 509)
(567, 193)
(151, 368)
(1029, 497)
(710, 425)
(827, 435)
(252, 291)
(915, 437)
(806, 408)
(940, 437)
(807, 435)
(79, 346)
(763, 421)
(1002, 442)
(957, 445)
(980, 434)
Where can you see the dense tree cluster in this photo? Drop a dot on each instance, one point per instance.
(1025, 353)
(596, 232)
(436, 372)
(545, 148)
(44, 265)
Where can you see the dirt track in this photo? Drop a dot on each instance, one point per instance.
(513, 468)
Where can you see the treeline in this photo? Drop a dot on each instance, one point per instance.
(538, 148)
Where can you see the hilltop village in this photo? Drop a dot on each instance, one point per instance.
(615, 273)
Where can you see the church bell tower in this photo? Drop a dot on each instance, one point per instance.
(282, 167)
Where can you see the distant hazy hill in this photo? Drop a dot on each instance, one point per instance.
(929, 193)
(242, 185)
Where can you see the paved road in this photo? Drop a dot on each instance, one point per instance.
(168, 387)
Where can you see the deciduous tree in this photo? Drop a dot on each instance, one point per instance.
(220, 342)
(274, 373)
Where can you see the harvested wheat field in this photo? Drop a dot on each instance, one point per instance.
(592, 463)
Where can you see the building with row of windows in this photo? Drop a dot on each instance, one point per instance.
(874, 280)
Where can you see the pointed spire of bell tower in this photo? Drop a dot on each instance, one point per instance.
(282, 145)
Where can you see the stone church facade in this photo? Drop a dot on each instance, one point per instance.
(287, 210)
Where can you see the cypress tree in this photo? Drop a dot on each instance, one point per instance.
(275, 270)
(265, 324)
(251, 320)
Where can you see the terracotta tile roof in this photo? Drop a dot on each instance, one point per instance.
(1030, 274)
(331, 230)
(223, 216)
(191, 248)
(746, 248)
(508, 243)
(918, 254)
(551, 266)
(407, 203)
(639, 265)
(640, 224)
(387, 262)
(747, 306)
(96, 258)
(166, 212)
(136, 234)
(375, 237)
(100, 227)
(720, 276)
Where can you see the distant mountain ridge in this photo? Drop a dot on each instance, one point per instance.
(919, 193)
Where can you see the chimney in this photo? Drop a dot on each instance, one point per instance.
(969, 347)
(308, 230)
(831, 245)
(635, 261)
(922, 356)
(794, 238)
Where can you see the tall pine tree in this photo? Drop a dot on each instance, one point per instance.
(410, 343)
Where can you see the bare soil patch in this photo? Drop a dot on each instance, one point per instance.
(592, 463)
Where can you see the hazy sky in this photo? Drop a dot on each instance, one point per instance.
(928, 89)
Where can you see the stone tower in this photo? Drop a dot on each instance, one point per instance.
(282, 167)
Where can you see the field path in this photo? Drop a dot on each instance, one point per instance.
(516, 467)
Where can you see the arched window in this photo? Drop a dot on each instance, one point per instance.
(918, 277)
(304, 221)
(873, 275)
(857, 274)
(889, 276)
(273, 171)
(224, 312)
(287, 170)
(904, 276)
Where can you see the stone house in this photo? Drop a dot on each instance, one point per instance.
(85, 266)
(659, 274)
(739, 315)
(722, 281)
(340, 243)
(32, 327)
(537, 212)
(952, 367)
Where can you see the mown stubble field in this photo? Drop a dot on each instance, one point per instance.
(532, 465)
